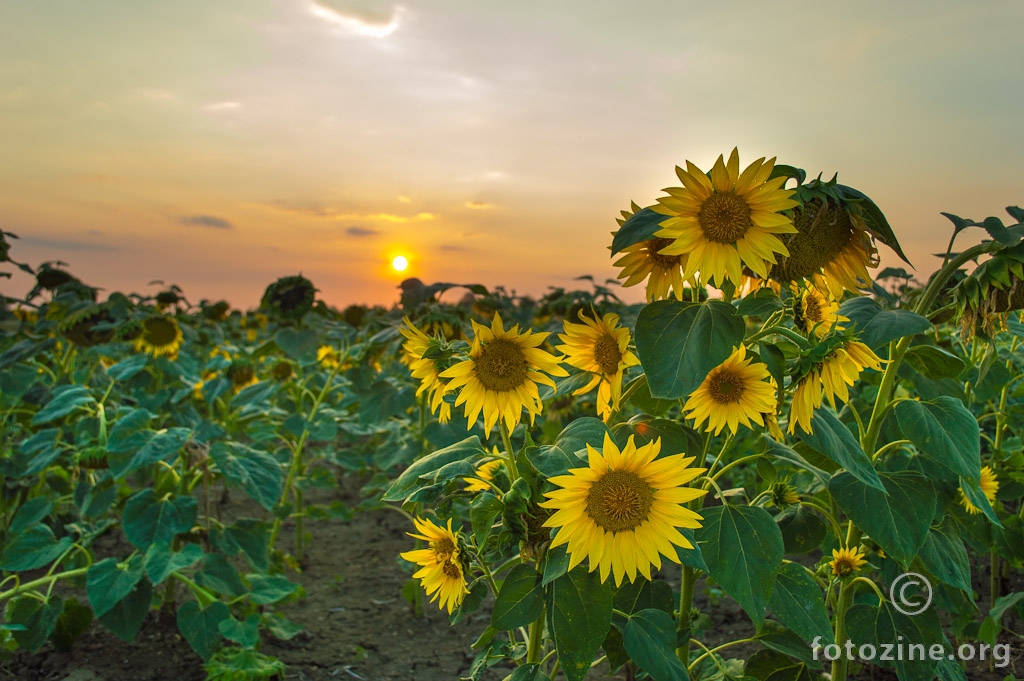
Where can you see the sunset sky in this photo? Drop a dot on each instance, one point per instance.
(221, 144)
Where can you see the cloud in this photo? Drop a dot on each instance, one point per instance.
(223, 106)
(361, 231)
(477, 205)
(404, 199)
(321, 211)
(359, 23)
(64, 245)
(206, 221)
(451, 248)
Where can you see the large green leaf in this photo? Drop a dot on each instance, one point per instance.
(163, 445)
(898, 518)
(769, 665)
(743, 549)
(632, 597)
(409, 481)
(641, 226)
(259, 474)
(944, 431)
(876, 327)
(72, 623)
(675, 437)
(201, 627)
(65, 399)
(779, 451)
(886, 625)
(161, 561)
(803, 529)
(945, 556)
(933, 362)
(799, 604)
(267, 589)
(38, 619)
(128, 367)
(650, 639)
(679, 343)
(299, 344)
(569, 450)
(834, 440)
(220, 576)
(107, 582)
(520, 599)
(35, 547)
(579, 615)
(125, 618)
(148, 519)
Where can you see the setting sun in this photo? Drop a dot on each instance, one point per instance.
(400, 263)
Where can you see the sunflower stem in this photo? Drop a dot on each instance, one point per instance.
(510, 458)
(536, 638)
(686, 588)
(843, 603)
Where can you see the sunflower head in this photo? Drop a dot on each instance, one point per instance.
(622, 510)
(989, 487)
(354, 315)
(726, 219)
(442, 571)
(93, 325)
(601, 347)
(828, 371)
(217, 312)
(168, 298)
(815, 312)
(328, 357)
(995, 288)
(846, 561)
(289, 297)
(51, 278)
(158, 335)
(282, 370)
(737, 391)
(784, 494)
(483, 476)
(241, 372)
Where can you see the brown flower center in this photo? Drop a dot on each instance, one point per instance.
(159, 331)
(619, 501)
(824, 230)
(451, 570)
(501, 366)
(443, 548)
(725, 218)
(607, 354)
(665, 262)
(726, 386)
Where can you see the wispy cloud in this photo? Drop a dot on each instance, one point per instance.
(223, 106)
(66, 245)
(357, 23)
(477, 205)
(361, 231)
(206, 221)
(321, 211)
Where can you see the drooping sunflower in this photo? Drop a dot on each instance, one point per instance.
(91, 326)
(483, 476)
(159, 335)
(815, 312)
(242, 373)
(726, 221)
(622, 510)
(832, 247)
(846, 561)
(421, 354)
(989, 487)
(289, 297)
(736, 391)
(441, 571)
(501, 375)
(601, 347)
(831, 378)
(640, 261)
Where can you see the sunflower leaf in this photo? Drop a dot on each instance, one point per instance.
(650, 640)
(641, 226)
(579, 616)
(945, 431)
(520, 600)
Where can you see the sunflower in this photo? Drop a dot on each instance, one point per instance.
(327, 357)
(197, 388)
(814, 312)
(989, 487)
(92, 326)
(484, 476)
(242, 373)
(830, 378)
(736, 391)
(601, 347)
(726, 221)
(159, 335)
(282, 370)
(664, 273)
(441, 571)
(783, 494)
(832, 247)
(501, 375)
(421, 354)
(289, 297)
(845, 561)
(622, 510)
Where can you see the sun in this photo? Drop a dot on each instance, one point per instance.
(399, 263)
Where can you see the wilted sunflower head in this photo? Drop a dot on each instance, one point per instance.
(90, 326)
(217, 312)
(994, 289)
(158, 335)
(51, 278)
(354, 314)
(282, 370)
(241, 372)
(289, 297)
(167, 298)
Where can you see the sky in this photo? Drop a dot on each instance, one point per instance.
(221, 145)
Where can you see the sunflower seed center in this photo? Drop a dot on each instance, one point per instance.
(159, 332)
(726, 386)
(725, 218)
(501, 366)
(451, 570)
(607, 354)
(665, 262)
(443, 548)
(619, 501)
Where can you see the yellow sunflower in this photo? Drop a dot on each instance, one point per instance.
(831, 378)
(601, 347)
(501, 375)
(727, 221)
(159, 335)
(327, 357)
(441, 572)
(734, 392)
(989, 487)
(484, 475)
(831, 246)
(845, 561)
(622, 510)
(664, 273)
(417, 348)
(815, 312)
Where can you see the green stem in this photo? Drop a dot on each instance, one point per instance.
(536, 638)
(689, 580)
(42, 581)
(510, 455)
(781, 331)
(845, 600)
(714, 650)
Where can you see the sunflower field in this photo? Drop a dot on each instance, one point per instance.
(760, 474)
